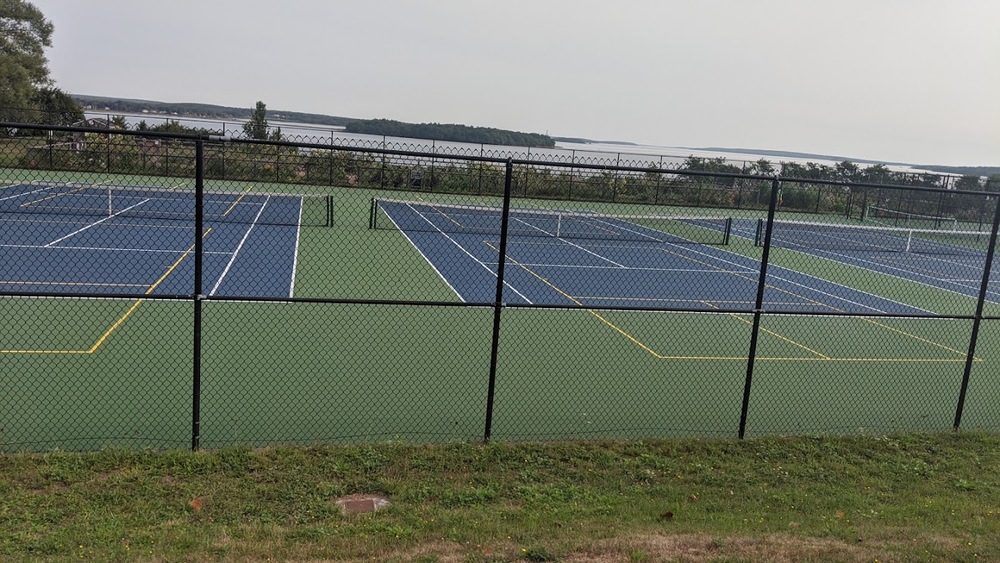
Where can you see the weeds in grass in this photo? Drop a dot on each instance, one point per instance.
(907, 497)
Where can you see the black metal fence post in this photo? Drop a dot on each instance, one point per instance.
(983, 289)
(498, 302)
(199, 190)
(758, 305)
(659, 178)
(572, 162)
(527, 170)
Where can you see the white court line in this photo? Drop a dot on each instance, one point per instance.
(606, 259)
(22, 194)
(460, 247)
(880, 268)
(109, 217)
(295, 255)
(426, 259)
(109, 249)
(239, 247)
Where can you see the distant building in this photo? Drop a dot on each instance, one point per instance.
(78, 141)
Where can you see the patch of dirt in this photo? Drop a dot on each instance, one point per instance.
(696, 548)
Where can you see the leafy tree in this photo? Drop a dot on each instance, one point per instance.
(847, 170)
(877, 173)
(993, 183)
(762, 167)
(256, 127)
(717, 164)
(969, 182)
(57, 107)
(25, 85)
(24, 34)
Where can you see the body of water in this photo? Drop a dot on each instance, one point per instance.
(626, 154)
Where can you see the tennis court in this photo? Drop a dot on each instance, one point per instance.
(945, 258)
(590, 260)
(620, 317)
(75, 238)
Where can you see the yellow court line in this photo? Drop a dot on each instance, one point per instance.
(175, 264)
(828, 306)
(121, 320)
(446, 216)
(818, 357)
(74, 284)
(439, 212)
(151, 289)
(918, 338)
(610, 324)
(749, 278)
(774, 334)
(115, 326)
(237, 202)
(53, 196)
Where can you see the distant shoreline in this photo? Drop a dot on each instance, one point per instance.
(210, 111)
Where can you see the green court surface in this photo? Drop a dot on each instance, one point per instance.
(92, 373)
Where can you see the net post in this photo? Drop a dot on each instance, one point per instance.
(371, 213)
(727, 230)
(329, 210)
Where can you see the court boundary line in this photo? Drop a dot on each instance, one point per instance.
(821, 357)
(832, 307)
(94, 224)
(121, 320)
(239, 247)
(863, 264)
(295, 252)
(430, 263)
(771, 274)
(458, 245)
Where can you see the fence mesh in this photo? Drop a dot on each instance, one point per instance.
(162, 290)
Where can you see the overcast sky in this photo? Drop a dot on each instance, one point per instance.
(913, 81)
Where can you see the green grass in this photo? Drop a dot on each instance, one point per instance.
(917, 497)
(308, 372)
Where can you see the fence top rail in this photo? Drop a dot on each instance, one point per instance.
(485, 159)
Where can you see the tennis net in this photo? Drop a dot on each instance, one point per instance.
(97, 200)
(846, 237)
(894, 218)
(473, 219)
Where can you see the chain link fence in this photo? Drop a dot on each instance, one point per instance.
(165, 290)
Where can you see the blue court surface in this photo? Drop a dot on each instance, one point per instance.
(626, 264)
(952, 261)
(96, 239)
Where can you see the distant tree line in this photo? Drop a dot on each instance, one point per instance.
(846, 171)
(450, 132)
(965, 170)
(203, 110)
